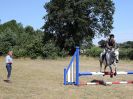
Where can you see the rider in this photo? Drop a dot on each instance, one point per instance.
(110, 44)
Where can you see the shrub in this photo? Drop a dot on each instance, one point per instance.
(94, 51)
(126, 53)
(131, 55)
(50, 51)
(19, 52)
(123, 54)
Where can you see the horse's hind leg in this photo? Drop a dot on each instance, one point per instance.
(105, 68)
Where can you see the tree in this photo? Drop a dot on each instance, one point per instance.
(102, 43)
(25, 42)
(70, 22)
(128, 44)
(29, 29)
(12, 25)
(8, 39)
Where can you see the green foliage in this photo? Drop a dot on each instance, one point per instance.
(126, 53)
(123, 53)
(71, 22)
(23, 41)
(35, 49)
(29, 29)
(126, 50)
(19, 52)
(50, 51)
(7, 40)
(27, 42)
(93, 51)
(131, 54)
(12, 25)
(102, 43)
(128, 44)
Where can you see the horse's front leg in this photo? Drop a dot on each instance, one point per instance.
(100, 66)
(105, 73)
(111, 71)
(105, 68)
(101, 61)
(115, 73)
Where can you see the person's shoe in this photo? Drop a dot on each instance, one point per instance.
(8, 81)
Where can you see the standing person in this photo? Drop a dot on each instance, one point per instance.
(9, 61)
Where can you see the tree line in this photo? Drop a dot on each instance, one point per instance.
(25, 41)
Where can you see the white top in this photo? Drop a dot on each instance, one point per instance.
(9, 59)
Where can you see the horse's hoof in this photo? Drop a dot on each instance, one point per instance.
(111, 74)
(115, 74)
(117, 61)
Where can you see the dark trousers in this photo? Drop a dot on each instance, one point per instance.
(9, 69)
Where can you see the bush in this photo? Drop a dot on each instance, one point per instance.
(94, 51)
(126, 53)
(50, 51)
(63, 53)
(123, 54)
(131, 55)
(7, 40)
(34, 50)
(17, 52)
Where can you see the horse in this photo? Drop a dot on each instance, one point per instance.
(110, 58)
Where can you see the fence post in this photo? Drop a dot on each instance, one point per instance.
(64, 76)
(77, 66)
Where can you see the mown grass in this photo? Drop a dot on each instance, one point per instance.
(43, 79)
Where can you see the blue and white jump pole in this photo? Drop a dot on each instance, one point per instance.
(69, 72)
(72, 73)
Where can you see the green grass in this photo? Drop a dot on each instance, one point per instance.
(43, 79)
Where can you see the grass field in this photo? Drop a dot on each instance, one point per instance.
(43, 79)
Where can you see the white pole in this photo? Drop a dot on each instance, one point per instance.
(69, 72)
(72, 72)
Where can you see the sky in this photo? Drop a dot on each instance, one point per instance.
(31, 12)
(123, 22)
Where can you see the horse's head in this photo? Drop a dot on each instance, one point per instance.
(116, 54)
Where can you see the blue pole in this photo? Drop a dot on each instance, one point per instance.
(77, 66)
(64, 76)
(130, 72)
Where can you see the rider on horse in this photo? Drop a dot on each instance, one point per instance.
(110, 55)
(110, 45)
